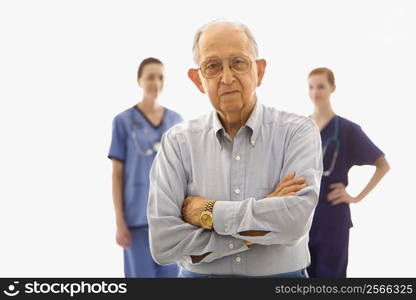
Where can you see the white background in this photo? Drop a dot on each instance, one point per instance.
(68, 67)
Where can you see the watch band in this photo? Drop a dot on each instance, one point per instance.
(209, 206)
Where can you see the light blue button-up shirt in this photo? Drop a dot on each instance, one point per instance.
(197, 158)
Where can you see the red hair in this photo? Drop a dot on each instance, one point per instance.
(325, 71)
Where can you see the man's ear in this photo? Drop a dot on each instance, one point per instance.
(261, 69)
(194, 76)
(138, 82)
(334, 87)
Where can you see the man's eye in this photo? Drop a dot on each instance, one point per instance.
(212, 65)
(240, 64)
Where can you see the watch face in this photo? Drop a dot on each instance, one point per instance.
(206, 219)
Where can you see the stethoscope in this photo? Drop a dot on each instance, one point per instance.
(135, 128)
(334, 139)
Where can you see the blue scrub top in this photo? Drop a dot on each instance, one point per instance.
(134, 142)
(355, 149)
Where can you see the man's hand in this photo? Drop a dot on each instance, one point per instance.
(192, 208)
(339, 194)
(289, 186)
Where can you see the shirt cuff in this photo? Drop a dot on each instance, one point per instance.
(224, 215)
(231, 247)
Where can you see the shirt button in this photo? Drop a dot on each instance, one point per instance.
(225, 229)
(188, 259)
(231, 246)
(237, 191)
(238, 259)
(237, 157)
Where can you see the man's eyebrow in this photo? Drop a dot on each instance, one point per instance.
(211, 57)
(231, 55)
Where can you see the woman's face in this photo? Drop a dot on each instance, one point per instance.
(151, 80)
(320, 89)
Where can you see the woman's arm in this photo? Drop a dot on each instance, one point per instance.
(123, 236)
(340, 195)
(382, 167)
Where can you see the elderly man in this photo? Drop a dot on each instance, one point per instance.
(224, 199)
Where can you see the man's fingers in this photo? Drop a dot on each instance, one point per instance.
(292, 188)
(183, 213)
(289, 176)
(185, 205)
(295, 181)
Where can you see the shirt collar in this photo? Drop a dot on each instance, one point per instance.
(253, 122)
(218, 128)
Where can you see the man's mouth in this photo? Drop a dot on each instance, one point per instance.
(229, 92)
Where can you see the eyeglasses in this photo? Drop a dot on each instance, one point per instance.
(214, 67)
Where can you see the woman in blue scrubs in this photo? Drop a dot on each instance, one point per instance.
(344, 144)
(136, 137)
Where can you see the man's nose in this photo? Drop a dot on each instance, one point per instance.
(227, 75)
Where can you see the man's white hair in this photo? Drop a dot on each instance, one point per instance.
(244, 28)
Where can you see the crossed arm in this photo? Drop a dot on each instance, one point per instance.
(193, 206)
(283, 217)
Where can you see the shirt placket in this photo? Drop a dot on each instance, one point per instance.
(237, 180)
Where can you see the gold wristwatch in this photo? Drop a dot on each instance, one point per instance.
(206, 215)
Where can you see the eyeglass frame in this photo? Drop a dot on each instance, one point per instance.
(251, 60)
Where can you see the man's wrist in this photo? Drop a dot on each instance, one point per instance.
(206, 215)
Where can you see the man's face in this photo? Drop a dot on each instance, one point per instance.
(228, 92)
